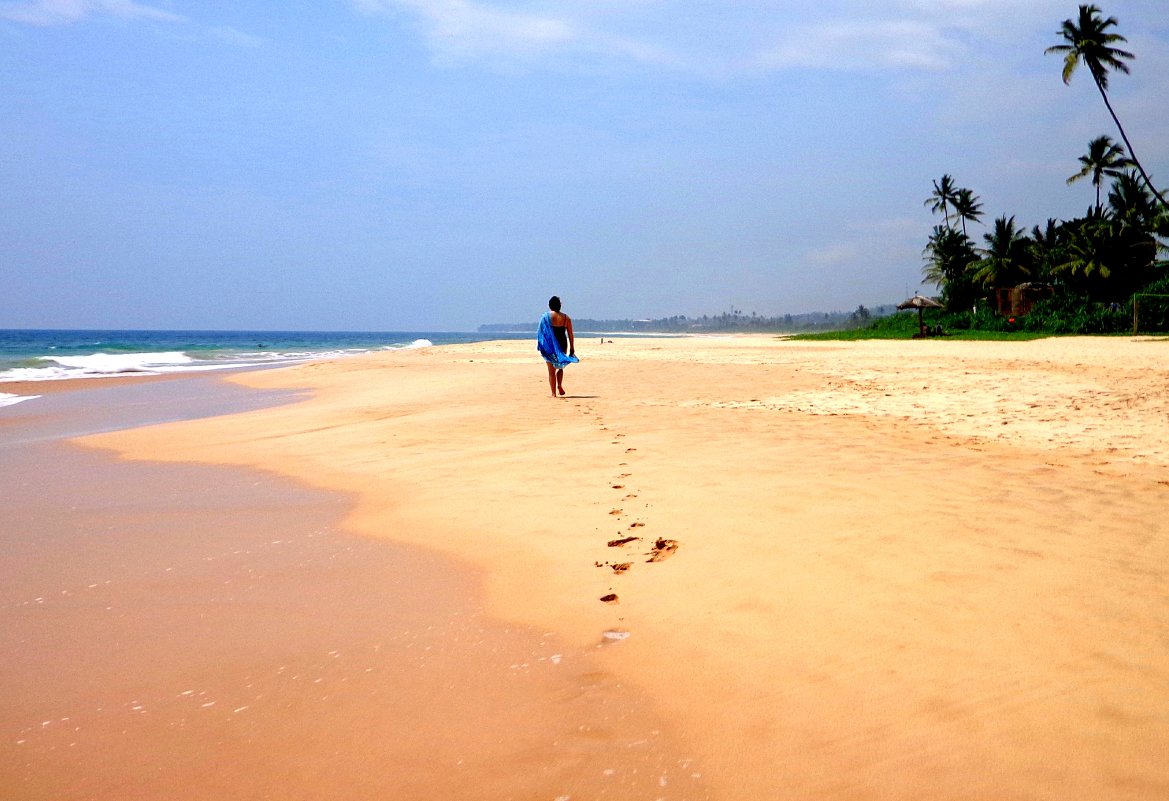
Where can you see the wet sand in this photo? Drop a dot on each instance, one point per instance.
(38, 388)
(184, 631)
(886, 570)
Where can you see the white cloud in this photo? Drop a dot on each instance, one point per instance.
(461, 28)
(718, 39)
(864, 45)
(62, 12)
(226, 33)
(47, 13)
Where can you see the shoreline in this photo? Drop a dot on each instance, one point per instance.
(54, 386)
(199, 631)
(895, 568)
(257, 649)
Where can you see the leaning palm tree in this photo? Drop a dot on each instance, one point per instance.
(1104, 157)
(943, 197)
(1088, 40)
(967, 206)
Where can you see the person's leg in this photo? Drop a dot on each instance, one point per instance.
(560, 381)
(551, 378)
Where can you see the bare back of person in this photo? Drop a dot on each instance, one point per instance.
(562, 331)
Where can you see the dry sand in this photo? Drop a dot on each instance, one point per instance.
(925, 569)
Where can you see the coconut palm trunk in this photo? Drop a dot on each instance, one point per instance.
(1089, 40)
(1132, 156)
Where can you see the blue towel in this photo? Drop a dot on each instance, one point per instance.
(548, 346)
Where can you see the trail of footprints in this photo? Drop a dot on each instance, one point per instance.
(660, 549)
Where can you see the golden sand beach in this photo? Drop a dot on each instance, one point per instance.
(873, 570)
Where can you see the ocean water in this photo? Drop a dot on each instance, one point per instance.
(44, 355)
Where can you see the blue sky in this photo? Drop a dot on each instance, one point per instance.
(437, 164)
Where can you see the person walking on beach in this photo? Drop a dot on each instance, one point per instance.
(556, 344)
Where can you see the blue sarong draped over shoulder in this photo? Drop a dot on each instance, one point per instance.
(548, 346)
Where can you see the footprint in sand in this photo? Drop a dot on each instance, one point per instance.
(618, 486)
(630, 450)
(615, 512)
(611, 598)
(662, 549)
(637, 524)
(623, 541)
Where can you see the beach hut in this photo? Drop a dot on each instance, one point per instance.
(921, 303)
(1016, 301)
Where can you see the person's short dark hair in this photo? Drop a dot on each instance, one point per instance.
(554, 303)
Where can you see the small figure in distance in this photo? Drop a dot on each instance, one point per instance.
(556, 344)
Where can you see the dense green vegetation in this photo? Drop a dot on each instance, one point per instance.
(904, 326)
(1080, 274)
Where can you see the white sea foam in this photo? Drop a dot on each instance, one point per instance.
(99, 365)
(418, 343)
(116, 363)
(7, 400)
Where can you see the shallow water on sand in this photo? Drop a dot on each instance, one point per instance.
(184, 631)
(111, 405)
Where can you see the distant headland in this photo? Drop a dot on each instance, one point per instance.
(734, 320)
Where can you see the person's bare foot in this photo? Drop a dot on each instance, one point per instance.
(562, 391)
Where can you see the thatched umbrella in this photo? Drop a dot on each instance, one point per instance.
(920, 303)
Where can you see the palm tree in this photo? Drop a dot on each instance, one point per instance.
(1129, 202)
(1088, 257)
(967, 207)
(1136, 217)
(1047, 243)
(1091, 42)
(1104, 157)
(1006, 260)
(948, 256)
(943, 196)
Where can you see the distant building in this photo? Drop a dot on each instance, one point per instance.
(1016, 301)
